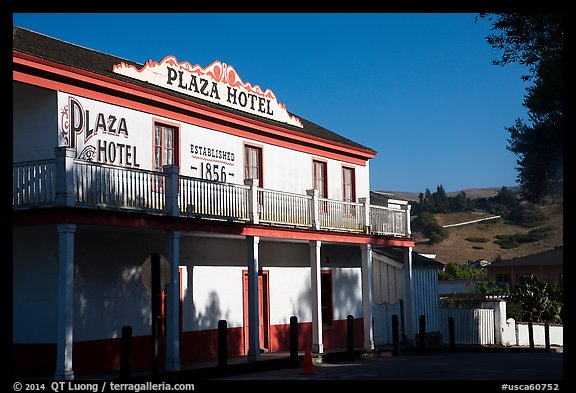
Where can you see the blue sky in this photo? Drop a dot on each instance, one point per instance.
(419, 89)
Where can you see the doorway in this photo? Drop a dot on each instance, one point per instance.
(263, 310)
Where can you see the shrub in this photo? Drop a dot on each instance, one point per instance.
(527, 215)
(476, 239)
(427, 224)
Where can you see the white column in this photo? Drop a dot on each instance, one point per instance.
(65, 190)
(317, 342)
(253, 307)
(173, 300)
(366, 251)
(65, 307)
(407, 295)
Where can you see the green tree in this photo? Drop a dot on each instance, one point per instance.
(455, 271)
(537, 300)
(506, 197)
(427, 225)
(537, 42)
(440, 200)
(459, 203)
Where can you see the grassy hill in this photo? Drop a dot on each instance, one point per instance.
(456, 249)
(471, 193)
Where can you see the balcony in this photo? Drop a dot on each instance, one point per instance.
(66, 181)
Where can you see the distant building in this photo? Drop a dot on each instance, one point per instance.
(480, 263)
(547, 266)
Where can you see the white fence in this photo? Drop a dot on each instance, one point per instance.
(472, 326)
(556, 333)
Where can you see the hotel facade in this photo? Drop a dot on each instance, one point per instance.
(127, 174)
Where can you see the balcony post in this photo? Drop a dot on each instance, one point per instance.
(366, 203)
(171, 189)
(252, 200)
(408, 229)
(65, 188)
(314, 210)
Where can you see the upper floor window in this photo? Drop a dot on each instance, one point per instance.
(319, 178)
(165, 149)
(348, 184)
(253, 163)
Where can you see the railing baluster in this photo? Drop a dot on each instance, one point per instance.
(101, 184)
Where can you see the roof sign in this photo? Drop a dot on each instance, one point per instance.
(218, 83)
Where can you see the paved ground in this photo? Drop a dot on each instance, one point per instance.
(501, 366)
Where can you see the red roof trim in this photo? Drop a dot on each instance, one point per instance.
(166, 99)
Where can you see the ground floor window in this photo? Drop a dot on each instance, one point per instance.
(503, 280)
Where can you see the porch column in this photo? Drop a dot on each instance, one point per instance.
(253, 318)
(65, 190)
(366, 251)
(173, 300)
(407, 295)
(65, 307)
(317, 342)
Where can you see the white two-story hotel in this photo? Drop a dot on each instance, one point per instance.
(257, 214)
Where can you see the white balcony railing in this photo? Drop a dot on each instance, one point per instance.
(338, 215)
(283, 208)
(388, 221)
(102, 185)
(76, 183)
(34, 184)
(199, 197)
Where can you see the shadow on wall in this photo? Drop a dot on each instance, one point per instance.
(123, 301)
(303, 306)
(201, 343)
(208, 319)
(346, 293)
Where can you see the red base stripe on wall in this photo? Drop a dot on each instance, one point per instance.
(101, 356)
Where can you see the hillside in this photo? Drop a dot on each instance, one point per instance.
(471, 193)
(456, 249)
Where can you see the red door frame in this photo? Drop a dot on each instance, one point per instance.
(264, 309)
